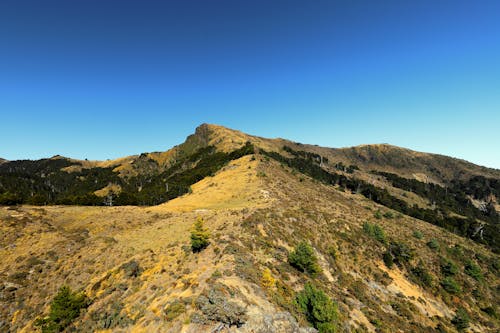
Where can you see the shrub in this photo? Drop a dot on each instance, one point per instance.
(388, 261)
(174, 310)
(461, 319)
(450, 285)
(418, 235)
(318, 308)
(433, 244)
(215, 306)
(199, 236)
(65, 307)
(448, 268)
(422, 275)
(379, 234)
(131, 269)
(378, 215)
(473, 270)
(388, 215)
(304, 259)
(374, 231)
(268, 280)
(332, 252)
(400, 253)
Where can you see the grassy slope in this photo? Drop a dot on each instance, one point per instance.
(256, 211)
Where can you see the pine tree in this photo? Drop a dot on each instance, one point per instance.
(199, 236)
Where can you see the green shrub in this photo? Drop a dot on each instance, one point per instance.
(374, 231)
(473, 270)
(450, 285)
(378, 214)
(174, 310)
(399, 253)
(368, 228)
(418, 235)
(199, 236)
(318, 308)
(448, 267)
(65, 307)
(388, 215)
(388, 261)
(304, 259)
(422, 275)
(461, 319)
(433, 244)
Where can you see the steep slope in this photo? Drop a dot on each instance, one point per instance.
(136, 266)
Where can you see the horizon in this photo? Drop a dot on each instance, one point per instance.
(273, 138)
(99, 80)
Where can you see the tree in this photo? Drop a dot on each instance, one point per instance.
(318, 308)
(65, 307)
(199, 236)
(304, 259)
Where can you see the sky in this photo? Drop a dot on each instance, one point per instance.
(102, 79)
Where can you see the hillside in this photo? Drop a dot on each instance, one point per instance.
(398, 246)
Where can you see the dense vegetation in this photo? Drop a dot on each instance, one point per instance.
(318, 308)
(468, 226)
(43, 182)
(453, 198)
(304, 259)
(65, 308)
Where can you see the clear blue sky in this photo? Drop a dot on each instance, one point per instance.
(101, 79)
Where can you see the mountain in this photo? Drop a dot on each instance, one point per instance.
(373, 238)
(2, 160)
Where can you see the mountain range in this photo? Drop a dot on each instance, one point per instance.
(301, 238)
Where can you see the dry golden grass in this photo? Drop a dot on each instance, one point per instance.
(237, 186)
(256, 211)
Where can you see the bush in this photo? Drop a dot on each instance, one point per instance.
(422, 275)
(448, 268)
(374, 231)
(418, 235)
(450, 285)
(388, 215)
(433, 244)
(268, 280)
(318, 308)
(473, 270)
(388, 261)
(215, 306)
(65, 307)
(399, 253)
(461, 319)
(304, 259)
(199, 236)
(174, 310)
(131, 269)
(378, 214)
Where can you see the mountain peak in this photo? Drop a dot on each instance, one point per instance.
(223, 138)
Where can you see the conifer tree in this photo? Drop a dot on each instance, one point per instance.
(199, 236)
